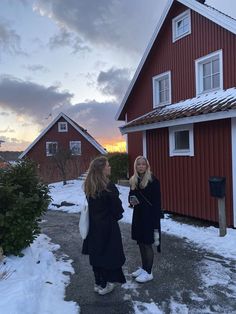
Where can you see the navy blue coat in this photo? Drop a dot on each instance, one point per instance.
(147, 214)
(103, 243)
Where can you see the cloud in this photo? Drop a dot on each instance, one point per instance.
(13, 144)
(64, 38)
(5, 114)
(36, 102)
(30, 99)
(7, 130)
(24, 2)
(36, 68)
(106, 22)
(114, 82)
(9, 40)
(96, 117)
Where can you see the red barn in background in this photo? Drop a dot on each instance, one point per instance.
(61, 136)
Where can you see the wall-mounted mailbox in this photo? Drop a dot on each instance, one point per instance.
(217, 186)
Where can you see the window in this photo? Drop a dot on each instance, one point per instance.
(209, 73)
(181, 140)
(62, 127)
(181, 25)
(161, 89)
(51, 148)
(75, 147)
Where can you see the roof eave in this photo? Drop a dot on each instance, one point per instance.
(181, 121)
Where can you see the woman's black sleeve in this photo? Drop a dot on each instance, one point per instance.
(116, 204)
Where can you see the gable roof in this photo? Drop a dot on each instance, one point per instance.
(207, 11)
(215, 105)
(78, 128)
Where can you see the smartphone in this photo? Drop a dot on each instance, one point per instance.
(133, 200)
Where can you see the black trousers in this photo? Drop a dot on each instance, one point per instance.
(102, 276)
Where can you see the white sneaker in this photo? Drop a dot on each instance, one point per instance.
(109, 287)
(144, 277)
(138, 272)
(97, 288)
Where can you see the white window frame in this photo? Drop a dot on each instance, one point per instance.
(60, 126)
(155, 87)
(47, 148)
(181, 152)
(199, 71)
(175, 21)
(73, 143)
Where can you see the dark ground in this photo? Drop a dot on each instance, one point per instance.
(176, 272)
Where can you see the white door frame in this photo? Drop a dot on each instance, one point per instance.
(233, 139)
(144, 144)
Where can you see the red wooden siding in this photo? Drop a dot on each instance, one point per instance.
(184, 180)
(135, 148)
(179, 58)
(78, 165)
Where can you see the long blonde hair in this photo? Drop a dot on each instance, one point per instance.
(96, 181)
(147, 177)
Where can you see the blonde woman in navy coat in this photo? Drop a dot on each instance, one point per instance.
(145, 198)
(103, 243)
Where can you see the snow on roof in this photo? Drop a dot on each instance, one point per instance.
(218, 101)
(219, 12)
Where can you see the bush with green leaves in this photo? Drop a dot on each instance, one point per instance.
(119, 166)
(23, 199)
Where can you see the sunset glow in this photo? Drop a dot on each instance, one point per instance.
(116, 147)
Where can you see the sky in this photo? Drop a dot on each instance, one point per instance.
(73, 56)
(35, 283)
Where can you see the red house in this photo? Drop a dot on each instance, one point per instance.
(180, 108)
(62, 136)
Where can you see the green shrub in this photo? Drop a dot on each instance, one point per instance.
(119, 166)
(23, 200)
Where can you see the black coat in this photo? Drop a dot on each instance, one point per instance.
(147, 214)
(103, 243)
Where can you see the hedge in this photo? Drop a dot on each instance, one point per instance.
(23, 200)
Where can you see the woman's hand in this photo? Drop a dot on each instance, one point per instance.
(133, 200)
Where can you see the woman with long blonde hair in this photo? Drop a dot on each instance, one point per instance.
(103, 243)
(145, 198)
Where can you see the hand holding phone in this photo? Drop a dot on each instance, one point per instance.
(133, 200)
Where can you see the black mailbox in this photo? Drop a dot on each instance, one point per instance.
(217, 186)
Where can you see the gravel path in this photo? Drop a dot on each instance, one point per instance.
(177, 286)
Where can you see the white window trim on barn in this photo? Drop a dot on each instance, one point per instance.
(199, 63)
(186, 29)
(48, 149)
(172, 141)
(62, 126)
(156, 89)
(76, 151)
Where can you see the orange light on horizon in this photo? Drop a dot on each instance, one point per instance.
(116, 147)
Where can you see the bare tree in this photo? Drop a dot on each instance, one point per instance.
(62, 158)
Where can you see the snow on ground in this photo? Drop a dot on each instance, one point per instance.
(207, 238)
(36, 283)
